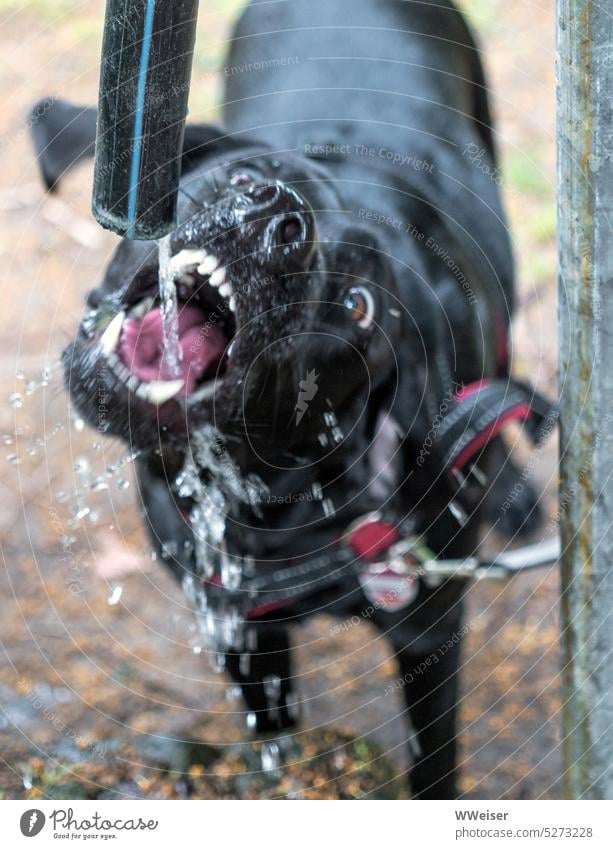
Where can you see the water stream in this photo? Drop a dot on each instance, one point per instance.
(169, 307)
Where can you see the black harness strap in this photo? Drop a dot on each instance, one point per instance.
(479, 413)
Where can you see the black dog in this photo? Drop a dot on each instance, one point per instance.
(346, 284)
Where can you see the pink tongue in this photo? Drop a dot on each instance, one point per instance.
(141, 346)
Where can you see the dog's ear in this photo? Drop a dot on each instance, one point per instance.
(207, 140)
(64, 134)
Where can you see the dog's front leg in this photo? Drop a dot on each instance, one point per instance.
(429, 679)
(263, 670)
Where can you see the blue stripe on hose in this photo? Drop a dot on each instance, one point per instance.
(139, 117)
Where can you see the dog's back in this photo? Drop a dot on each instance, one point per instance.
(368, 65)
(397, 86)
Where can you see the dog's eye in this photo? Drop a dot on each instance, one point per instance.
(242, 179)
(361, 306)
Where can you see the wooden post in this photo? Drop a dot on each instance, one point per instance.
(585, 240)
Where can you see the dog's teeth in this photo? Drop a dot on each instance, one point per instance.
(123, 373)
(232, 303)
(160, 391)
(225, 290)
(110, 337)
(140, 310)
(186, 258)
(133, 383)
(205, 392)
(208, 265)
(218, 276)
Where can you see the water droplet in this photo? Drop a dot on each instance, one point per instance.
(197, 649)
(233, 693)
(81, 466)
(248, 566)
(231, 574)
(16, 400)
(219, 662)
(169, 549)
(99, 485)
(210, 624)
(188, 585)
(123, 484)
(14, 459)
(337, 435)
(271, 756)
(202, 602)
(252, 640)
(292, 704)
(272, 688)
(328, 507)
(7, 439)
(115, 595)
(244, 665)
(78, 424)
(233, 631)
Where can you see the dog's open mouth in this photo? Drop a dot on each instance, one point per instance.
(133, 342)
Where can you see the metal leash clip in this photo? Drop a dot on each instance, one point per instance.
(417, 559)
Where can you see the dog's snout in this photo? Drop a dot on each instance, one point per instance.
(289, 230)
(265, 199)
(281, 218)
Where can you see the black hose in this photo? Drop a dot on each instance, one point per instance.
(144, 87)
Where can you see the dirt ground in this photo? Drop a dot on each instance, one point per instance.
(104, 691)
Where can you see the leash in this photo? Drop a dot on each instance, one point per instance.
(504, 566)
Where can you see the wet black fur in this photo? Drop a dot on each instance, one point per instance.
(407, 82)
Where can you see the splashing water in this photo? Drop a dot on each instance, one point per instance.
(222, 627)
(271, 756)
(173, 355)
(115, 595)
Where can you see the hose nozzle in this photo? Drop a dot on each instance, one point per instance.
(144, 87)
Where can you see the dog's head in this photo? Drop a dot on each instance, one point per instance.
(288, 316)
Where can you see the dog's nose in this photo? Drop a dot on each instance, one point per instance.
(281, 219)
(265, 199)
